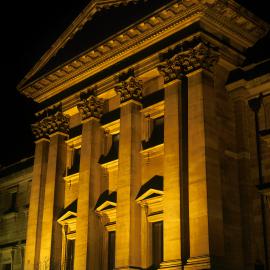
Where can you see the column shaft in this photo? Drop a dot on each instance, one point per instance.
(205, 198)
(128, 239)
(88, 233)
(51, 235)
(36, 205)
(172, 212)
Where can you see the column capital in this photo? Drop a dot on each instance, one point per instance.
(90, 106)
(50, 121)
(187, 57)
(129, 89)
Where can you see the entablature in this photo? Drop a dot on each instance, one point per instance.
(223, 19)
(247, 86)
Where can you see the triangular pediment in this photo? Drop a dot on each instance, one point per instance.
(154, 187)
(99, 20)
(106, 205)
(106, 201)
(67, 216)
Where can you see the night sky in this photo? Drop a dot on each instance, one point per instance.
(28, 29)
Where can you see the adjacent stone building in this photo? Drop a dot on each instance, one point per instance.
(15, 187)
(152, 144)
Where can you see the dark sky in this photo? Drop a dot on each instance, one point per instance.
(26, 33)
(28, 29)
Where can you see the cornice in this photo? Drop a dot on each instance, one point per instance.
(105, 54)
(245, 86)
(238, 24)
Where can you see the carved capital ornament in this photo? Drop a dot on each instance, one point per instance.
(90, 105)
(58, 123)
(201, 55)
(40, 129)
(51, 120)
(129, 89)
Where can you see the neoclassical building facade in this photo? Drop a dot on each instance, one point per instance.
(152, 143)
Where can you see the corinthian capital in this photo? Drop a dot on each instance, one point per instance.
(90, 105)
(58, 123)
(51, 120)
(177, 64)
(40, 129)
(129, 89)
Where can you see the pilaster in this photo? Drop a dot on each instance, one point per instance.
(128, 216)
(89, 235)
(246, 185)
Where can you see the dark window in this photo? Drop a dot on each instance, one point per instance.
(13, 203)
(113, 153)
(70, 254)
(111, 251)
(157, 135)
(115, 142)
(159, 123)
(75, 161)
(6, 266)
(157, 243)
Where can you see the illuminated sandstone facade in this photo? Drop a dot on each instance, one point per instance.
(146, 153)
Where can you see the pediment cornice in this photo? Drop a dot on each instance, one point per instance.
(240, 26)
(87, 14)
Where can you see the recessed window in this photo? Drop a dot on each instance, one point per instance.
(111, 250)
(159, 122)
(6, 266)
(157, 243)
(13, 202)
(157, 134)
(114, 150)
(75, 162)
(70, 251)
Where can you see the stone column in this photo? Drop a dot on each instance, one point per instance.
(32, 248)
(88, 244)
(202, 210)
(172, 185)
(128, 221)
(175, 235)
(51, 235)
(205, 196)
